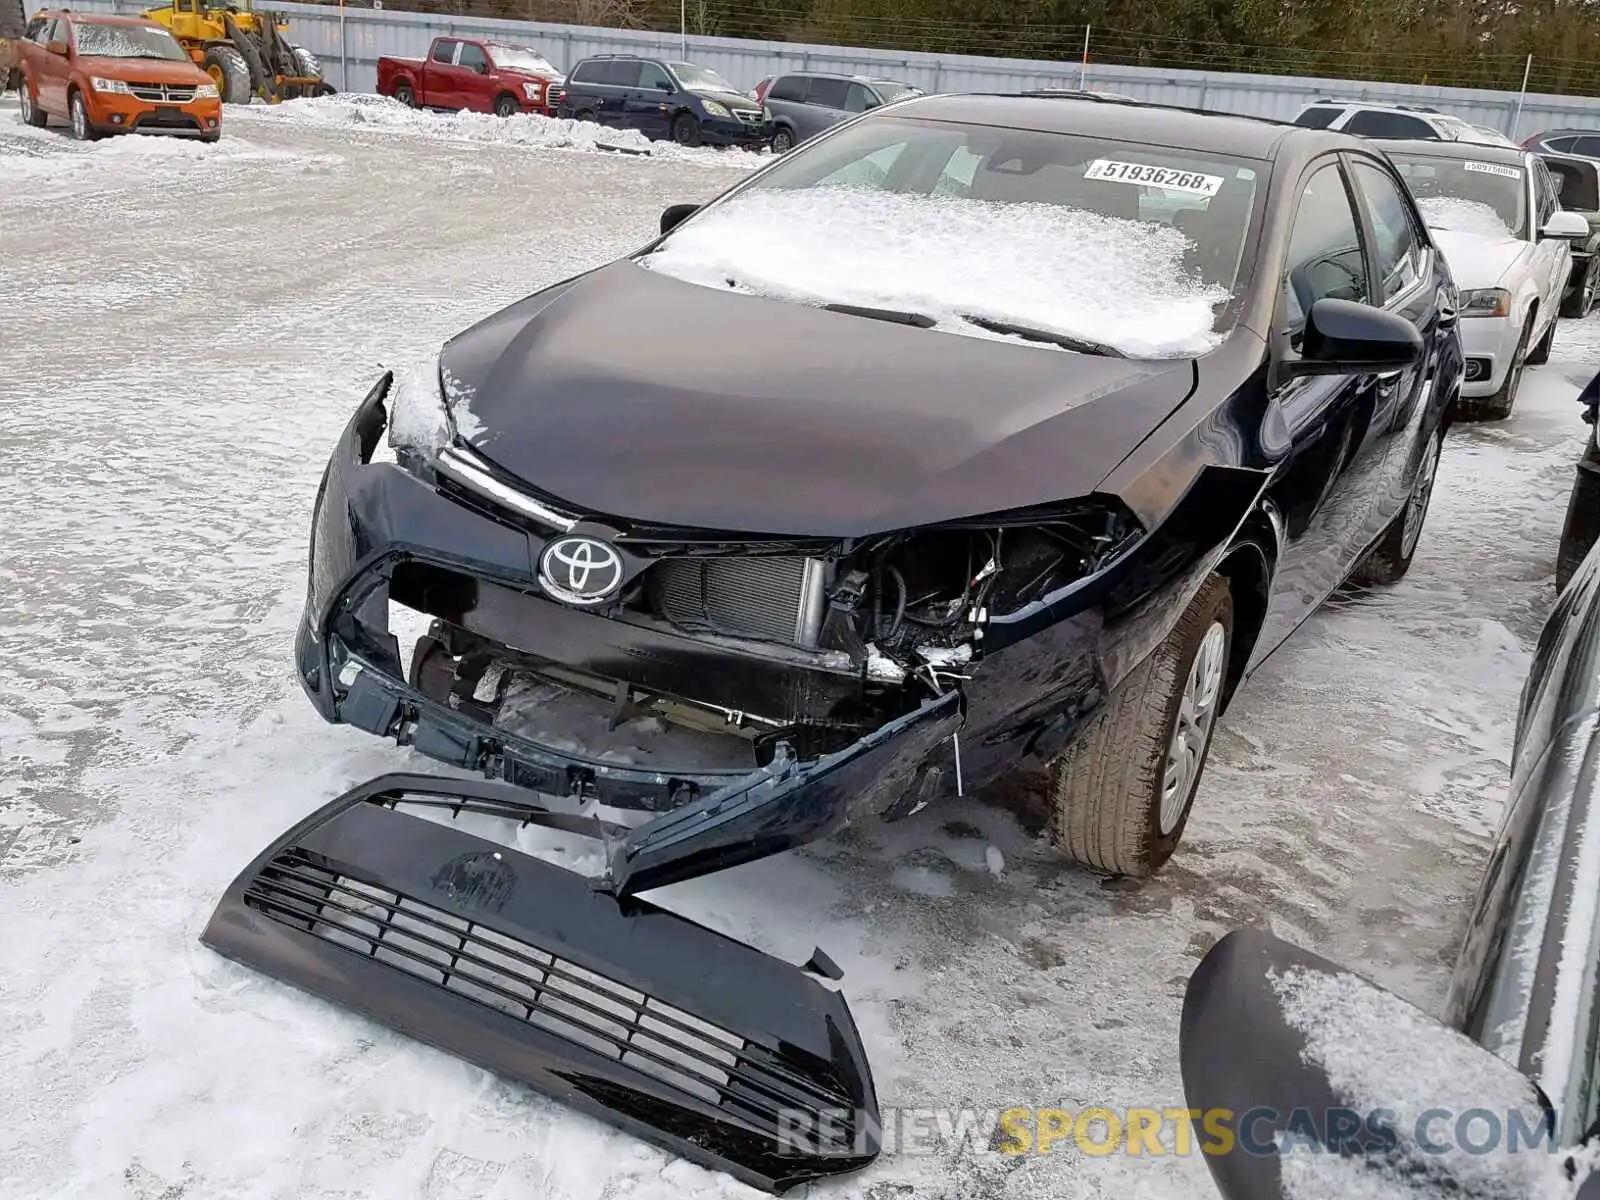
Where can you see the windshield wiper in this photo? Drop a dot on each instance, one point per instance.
(920, 320)
(1065, 340)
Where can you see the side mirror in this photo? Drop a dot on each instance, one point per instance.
(1566, 226)
(1344, 337)
(483, 68)
(673, 216)
(1309, 1080)
(56, 48)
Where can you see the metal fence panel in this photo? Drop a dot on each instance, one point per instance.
(350, 40)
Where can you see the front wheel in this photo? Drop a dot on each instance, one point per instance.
(79, 110)
(1121, 792)
(1391, 558)
(507, 106)
(1581, 529)
(1498, 406)
(686, 129)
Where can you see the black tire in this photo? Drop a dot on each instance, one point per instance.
(32, 114)
(506, 105)
(308, 64)
(211, 137)
(230, 73)
(1106, 788)
(78, 110)
(1577, 305)
(1540, 354)
(686, 129)
(1498, 406)
(1390, 559)
(585, 114)
(1581, 529)
(782, 140)
(404, 94)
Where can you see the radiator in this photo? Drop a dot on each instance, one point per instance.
(777, 599)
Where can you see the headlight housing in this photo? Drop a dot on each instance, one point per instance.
(116, 86)
(713, 109)
(1485, 302)
(532, 91)
(206, 91)
(419, 419)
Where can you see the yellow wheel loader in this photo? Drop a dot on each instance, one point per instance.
(246, 53)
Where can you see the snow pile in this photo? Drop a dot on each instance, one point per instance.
(49, 157)
(381, 114)
(1380, 1053)
(1059, 269)
(1464, 216)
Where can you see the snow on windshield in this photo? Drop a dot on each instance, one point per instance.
(520, 58)
(1464, 216)
(126, 41)
(1070, 272)
(1380, 1053)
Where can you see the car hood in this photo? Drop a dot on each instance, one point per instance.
(1477, 261)
(629, 394)
(731, 99)
(550, 76)
(143, 70)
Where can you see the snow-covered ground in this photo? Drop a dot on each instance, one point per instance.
(183, 330)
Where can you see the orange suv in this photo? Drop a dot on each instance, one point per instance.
(107, 74)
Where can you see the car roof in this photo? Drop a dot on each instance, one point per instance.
(1514, 156)
(90, 18)
(1382, 105)
(1134, 121)
(1550, 133)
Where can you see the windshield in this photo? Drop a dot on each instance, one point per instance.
(521, 58)
(894, 91)
(127, 41)
(700, 79)
(1464, 196)
(1127, 247)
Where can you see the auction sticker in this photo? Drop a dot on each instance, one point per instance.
(1167, 178)
(1494, 169)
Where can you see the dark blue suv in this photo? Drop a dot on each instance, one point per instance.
(691, 105)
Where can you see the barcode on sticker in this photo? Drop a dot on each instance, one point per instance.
(1494, 169)
(1169, 179)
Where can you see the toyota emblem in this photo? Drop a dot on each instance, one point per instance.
(580, 570)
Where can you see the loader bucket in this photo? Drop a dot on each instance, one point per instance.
(695, 1042)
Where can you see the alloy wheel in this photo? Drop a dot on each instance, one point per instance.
(27, 105)
(1421, 492)
(1191, 731)
(80, 120)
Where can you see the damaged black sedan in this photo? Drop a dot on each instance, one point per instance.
(980, 432)
(895, 532)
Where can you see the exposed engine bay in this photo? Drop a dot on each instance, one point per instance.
(869, 630)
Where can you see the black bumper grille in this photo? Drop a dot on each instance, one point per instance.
(688, 1055)
(774, 598)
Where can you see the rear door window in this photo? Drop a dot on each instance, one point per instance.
(1587, 146)
(829, 93)
(621, 72)
(1318, 118)
(444, 51)
(789, 87)
(1377, 124)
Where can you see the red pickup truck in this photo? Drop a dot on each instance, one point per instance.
(480, 76)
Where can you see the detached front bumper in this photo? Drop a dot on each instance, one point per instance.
(692, 1041)
(1489, 345)
(371, 518)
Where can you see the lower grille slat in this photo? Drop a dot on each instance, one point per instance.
(683, 1052)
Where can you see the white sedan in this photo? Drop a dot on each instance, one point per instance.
(1493, 212)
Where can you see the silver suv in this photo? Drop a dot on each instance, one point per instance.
(803, 104)
(1363, 118)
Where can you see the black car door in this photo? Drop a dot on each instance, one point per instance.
(1333, 456)
(1410, 284)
